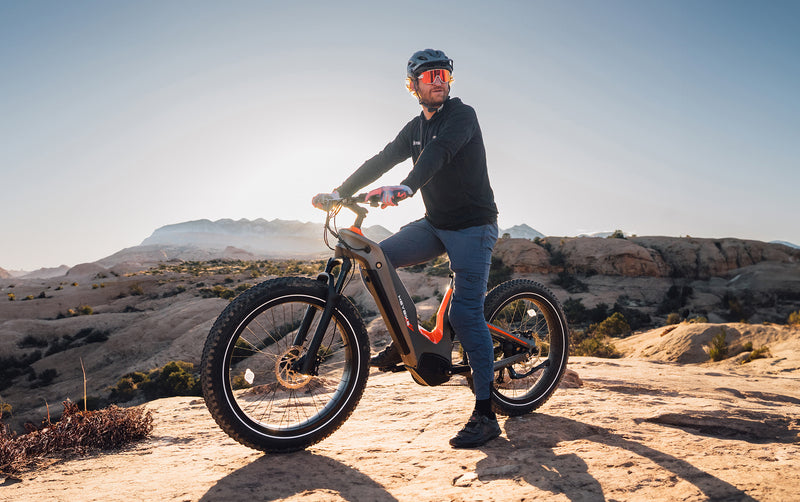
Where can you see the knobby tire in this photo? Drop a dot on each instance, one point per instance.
(246, 375)
(524, 307)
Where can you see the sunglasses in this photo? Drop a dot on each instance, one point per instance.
(429, 77)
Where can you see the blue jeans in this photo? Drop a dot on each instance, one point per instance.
(470, 253)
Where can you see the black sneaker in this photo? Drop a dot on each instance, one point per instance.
(479, 430)
(387, 358)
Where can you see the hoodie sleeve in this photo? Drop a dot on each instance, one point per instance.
(392, 154)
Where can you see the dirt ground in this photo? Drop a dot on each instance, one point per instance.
(634, 430)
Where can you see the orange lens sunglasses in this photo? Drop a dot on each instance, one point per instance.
(429, 77)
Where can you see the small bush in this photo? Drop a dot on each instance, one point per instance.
(794, 319)
(218, 292)
(11, 297)
(615, 326)
(6, 410)
(718, 349)
(571, 283)
(176, 378)
(673, 318)
(587, 343)
(575, 311)
(31, 341)
(136, 289)
(759, 353)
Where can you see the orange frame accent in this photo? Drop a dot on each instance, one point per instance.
(438, 331)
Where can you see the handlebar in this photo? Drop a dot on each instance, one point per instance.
(354, 203)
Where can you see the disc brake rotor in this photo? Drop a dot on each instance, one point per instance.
(287, 376)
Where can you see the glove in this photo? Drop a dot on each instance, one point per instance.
(389, 195)
(323, 200)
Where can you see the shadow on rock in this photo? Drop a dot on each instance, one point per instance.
(534, 437)
(280, 476)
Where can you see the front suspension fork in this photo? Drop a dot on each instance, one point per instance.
(307, 364)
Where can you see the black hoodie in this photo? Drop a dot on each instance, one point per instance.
(449, 167)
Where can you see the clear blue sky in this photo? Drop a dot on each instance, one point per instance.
(654, 117)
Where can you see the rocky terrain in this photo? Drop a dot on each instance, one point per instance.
(624, 429)
(720, 279)
(660, 423)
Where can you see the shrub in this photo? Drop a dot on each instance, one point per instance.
(45, 377)
(6, 410)
(176, 378)
(218, 292)
(12, 367)
(759, 353)
(558, 259)
(31, 341)
(575, 311)
(571, 283)
(618, 234)
(11, 297)
(675, 299)
(596, 347)
(136, 289)
(587, 343)
(718, 349)
(673, 318)
(794, 318)
(616, 325)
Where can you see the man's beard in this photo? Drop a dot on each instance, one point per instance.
(432, 102)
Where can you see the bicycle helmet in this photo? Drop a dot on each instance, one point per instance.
(427, 60)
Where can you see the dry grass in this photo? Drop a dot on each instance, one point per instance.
(77, 433)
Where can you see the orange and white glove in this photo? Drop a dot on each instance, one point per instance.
(323, 200)
(389, 195)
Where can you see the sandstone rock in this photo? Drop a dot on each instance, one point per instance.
(524, 256)
(612, 257)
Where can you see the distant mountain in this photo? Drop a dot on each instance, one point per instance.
(795, 246)
(42, 273)
(522, 231)
(232, 239)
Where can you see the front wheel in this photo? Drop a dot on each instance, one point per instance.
(248, 373)
(528, 310)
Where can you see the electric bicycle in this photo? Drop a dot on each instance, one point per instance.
(286, 363)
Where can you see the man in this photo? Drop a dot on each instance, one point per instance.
(446, 146)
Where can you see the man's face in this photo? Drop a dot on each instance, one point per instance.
(433, 94)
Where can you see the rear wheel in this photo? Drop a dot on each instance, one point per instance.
(250, 385)
(527, 310)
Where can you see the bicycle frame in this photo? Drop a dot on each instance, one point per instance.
(426, 354)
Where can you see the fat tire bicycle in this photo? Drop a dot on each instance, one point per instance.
(287, 361)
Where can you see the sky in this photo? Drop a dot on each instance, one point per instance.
(673, 118)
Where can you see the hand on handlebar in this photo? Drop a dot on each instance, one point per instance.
(323, 200)
(389, 195)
